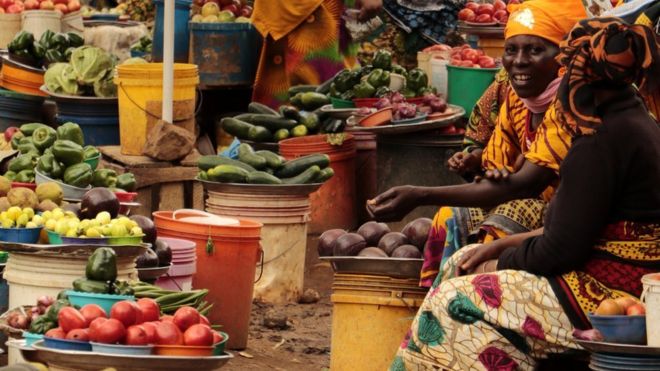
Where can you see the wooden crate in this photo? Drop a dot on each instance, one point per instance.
(161, 185)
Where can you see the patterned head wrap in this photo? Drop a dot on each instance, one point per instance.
(549, 19)
(604, 52)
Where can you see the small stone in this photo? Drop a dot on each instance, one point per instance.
(275, 338)
(310, 296)
(167, 142)
(275, 320)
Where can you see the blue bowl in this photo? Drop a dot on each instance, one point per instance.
(134, 350)
(105, 301)
(82, 346)
(20, 235)
(220, 347)
(102, 241)
(54, 238)
(621, 329)
(31, 338)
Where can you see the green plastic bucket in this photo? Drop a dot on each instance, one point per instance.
(466, 85)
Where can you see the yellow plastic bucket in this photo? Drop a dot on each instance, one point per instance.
(140, 92)
(370, 318)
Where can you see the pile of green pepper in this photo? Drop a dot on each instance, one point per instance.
(50, 48)
(373, 80)
(101, 275)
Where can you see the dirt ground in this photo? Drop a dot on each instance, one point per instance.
(305, 343)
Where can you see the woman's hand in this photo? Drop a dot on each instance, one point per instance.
(497, 175)
(486, 267)
(465, 162)
(368, 9)
(394, 204)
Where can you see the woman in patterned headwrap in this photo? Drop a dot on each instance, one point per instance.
(602, 229)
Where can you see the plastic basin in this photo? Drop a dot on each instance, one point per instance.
(105, 301)
(341, 103)
(126, 240)
(382, 117)
(81, 346)
(32, 186)
(220, 347)
(365, 102)
(621, 329)
(93, 162)
(20, 235)
(84, 241)
(54, 238)
(184, 350)
(126, 196)
(135, 350)
(69, 192)
(31, 338)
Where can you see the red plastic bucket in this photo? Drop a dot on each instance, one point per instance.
(333, 205)
(227, 270)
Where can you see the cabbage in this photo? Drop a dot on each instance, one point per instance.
(91, 64)
(134, 60)
(61, 78)
(105, 88)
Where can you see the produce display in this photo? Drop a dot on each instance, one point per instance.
(376, 240)
(265, 167)
(401, 109)
(624, 306)
(171, 301)
(18, 6)
(263, 124)
(158, 255)
(464, 56)
(89, 72)
(221, 11)
(486, 13)
(40, 318)
(47, 197)
(69, 225)
(101, 275)
(50, 48)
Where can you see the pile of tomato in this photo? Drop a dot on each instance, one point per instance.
(464, 56)
(486, 12)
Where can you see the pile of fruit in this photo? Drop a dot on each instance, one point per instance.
(68, 225)
(624, 306)
(376, 240)
(22, 320)
(50, 48)
(18, 6)
(47, 196)
(464, 56)
(264, 167)
(20, 218)
(101, 275)
(263, 124)
(486, 13)
(402, 109)
(171, 301)
(221, 11)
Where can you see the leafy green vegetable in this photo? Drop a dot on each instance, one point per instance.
(91, 64)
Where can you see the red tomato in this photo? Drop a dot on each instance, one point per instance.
(31, 4)
(92, 312)
(136, 335)
(93, 327)
(80, 334)
(109, 332)
(150, 328)
(485, 9)
(204, 321)
(56, 333)
(466, 64)
(149, 308)
(455, 61)
(470, 55)
(60, 2)
(2, 10)
(167, 333)
(127, 312)
(472, 5)
(70, 319)
(217, 337)
(499, 5)
(484, 18)
(467, 15)
(451, 129)
(167, 318)
(500, 15)
(74, 5)
(246, 11)
(636, 310)
(46, 5)
(13, 9)
(185, 317)
(200, 335)
(486, 62)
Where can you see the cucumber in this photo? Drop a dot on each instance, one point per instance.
(273, 160)
(299, 165)
(94, 287)
(202, 175)
(228, 174)
(291, 113)
(262, 177)
(246, 154)
(312, 100)
(269, 171)
(306, 177)
(281, 135)
(259, 134)
(301, 89)
(270, 122)
(310, 120)
(296, 100)
(300, 131)
(209, 162)
(256, 107)
(237, 128)
(324, 175)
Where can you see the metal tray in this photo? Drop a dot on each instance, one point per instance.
(92, 361)
(72, 250)
(454, 114)
(613, 348)
(259, 189)
(392, 267)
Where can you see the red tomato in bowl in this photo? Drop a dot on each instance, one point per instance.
(150, 328)
(80, 334)
(198, 335)
(92, 312)
(111, 331)
(499, 5)
(127, 312)
(70, 319)
(472, 6)
(136, 335)
(167, 333)
(484, 18)
(485, 9)
(149, 308)
(93, 327)
(204, 321)
(467, 15)
(56, 333)
(217, 337)
(185, 317)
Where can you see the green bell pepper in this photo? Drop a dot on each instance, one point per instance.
(127, 182)
(382, 59)
(25, 176)
(49, 166)
(44, 137)
(15, 139)
(346, 80)
(364, 90)
(417, 79)
(333, 91)
(408, 93)
(28, 129)
(102, 265)
(427, 90)
(22, 41)
(54, 56)
(10, 175)
(67, 152)
(378, 78)
(75, 40)
(46, 39)
(42, 324)
(38, 51)
(67, 53)
(60, 42)
(399, 70)
(78, 175)
(122, 288)
(90, 152)
(28, 147)
(72, 132)
(104, 178)
(366, 70)
(383, 91)
(23, 162)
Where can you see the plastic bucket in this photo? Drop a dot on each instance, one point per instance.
(438, 75)
(73, 22)
(140, 92)
(181, 32)
(226, 269)
(466, 85)
(22, 79)
(333, 205)
(366, 169)
(492, 47)
(39, 21)
(10, 24)
(651, 298)
(225, 53)
(370, 317)
(283, 238)
(17, 109)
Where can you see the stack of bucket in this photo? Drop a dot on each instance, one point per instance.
(22, 78)
(98, 117)
(17, 108)
(184, 265)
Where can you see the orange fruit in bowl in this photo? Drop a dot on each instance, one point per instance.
(626, 302)
(637, 309)
(609, 307)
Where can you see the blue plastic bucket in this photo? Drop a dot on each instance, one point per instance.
(98, 131)
(226, 54)
(181, 33)
(17, 109)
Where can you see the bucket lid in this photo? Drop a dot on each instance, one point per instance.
(201, 217)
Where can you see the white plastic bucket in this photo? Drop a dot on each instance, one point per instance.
(73, 22)
(38, 21)
(651, 298)
(439, 75)
(10, 24)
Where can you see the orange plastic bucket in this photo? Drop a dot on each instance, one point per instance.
(227, 269)
(333, 205)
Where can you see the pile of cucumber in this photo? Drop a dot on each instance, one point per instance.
(264, 124)
(264, 167)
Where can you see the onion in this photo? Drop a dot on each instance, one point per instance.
(22, 322)
(382, 103)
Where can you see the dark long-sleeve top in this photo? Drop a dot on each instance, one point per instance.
(611, 175)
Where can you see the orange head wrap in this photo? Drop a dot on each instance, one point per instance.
(549, 19)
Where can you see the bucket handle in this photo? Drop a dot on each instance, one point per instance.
(198, 92)
(260, 260)
(399, 295)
